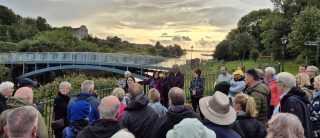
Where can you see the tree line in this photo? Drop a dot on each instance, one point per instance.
(261, 32)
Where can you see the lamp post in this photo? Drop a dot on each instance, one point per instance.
(191, 57)
(284, 40)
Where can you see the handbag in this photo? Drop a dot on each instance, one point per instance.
(57, 124)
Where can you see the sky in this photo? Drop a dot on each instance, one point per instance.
(199, 23)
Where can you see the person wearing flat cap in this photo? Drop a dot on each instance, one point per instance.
(237, 83)
(27, 82)
(219, 115)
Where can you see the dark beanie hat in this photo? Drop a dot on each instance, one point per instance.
(222, 87)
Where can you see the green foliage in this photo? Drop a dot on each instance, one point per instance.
(7, 46)
(5, 74)
(7, 16)
(50, 90)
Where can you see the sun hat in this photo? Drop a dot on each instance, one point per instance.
(190, 128)
(217, 109)
(238, 72)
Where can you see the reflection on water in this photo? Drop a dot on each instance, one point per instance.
(186, 57)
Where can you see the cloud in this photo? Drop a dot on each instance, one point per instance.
(206, 43)
(183, 31)
(186, 38)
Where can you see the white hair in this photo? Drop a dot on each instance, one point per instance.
(6, 85)
(123, 133)
(87, 85)
(270, 70)
(127, 73)
(314, 68)
(108, 113)
(287, 79)
(65, 84)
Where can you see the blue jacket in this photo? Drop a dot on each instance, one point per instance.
(93, 102)
(237, 86)
(221, 131)
(197, 85)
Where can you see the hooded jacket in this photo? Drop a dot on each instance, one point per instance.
(167, 121)
(237, 86)
(15, 102)
(295, 102)
(102, 128)
(248, 127)
(139, 118)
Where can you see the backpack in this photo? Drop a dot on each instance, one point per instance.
(70, 132)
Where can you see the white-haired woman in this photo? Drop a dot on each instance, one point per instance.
(270, 79)
(6, 90)
(315, 108)
(294, 101)
(60, 107)
(285, 125)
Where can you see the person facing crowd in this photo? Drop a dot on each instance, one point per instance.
(315, 108)
(312, 72)
(237, 84)
(60, 108)
(270, 80)
(153, 82)
(22, 122)
(219, 115)
(260, 92)
(24, 97)
(303, 82)
(119, 93)
(177, 111)
(176, 78)
(107, 125)
(6, 91)
(294, 101)
(164, 89)
(154, 102)
(224, 75)
(139, 117)
(196, 89)
(246, 125)
(285, 125)
(122, 82)
(87, 95)
(302, 68)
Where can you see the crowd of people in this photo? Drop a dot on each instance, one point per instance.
(247, 104)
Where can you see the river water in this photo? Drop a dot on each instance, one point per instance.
(185, 59)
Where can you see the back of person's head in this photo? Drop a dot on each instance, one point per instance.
(154, 95)
(6, 85)
(119, 93)
(285, 125)
(254, 74)
(304, 79)
(260, 73)
(123, 133)
(87, 86)
(222, 87)
(22, 122)
(270, 71)
(286, 79)
(135, 89)
(109, 107)
(176, 96)
(25, 93)
(246, 103)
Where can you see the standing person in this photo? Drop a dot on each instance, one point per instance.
(260, 92)
(219, 115)
(285, 125)
(119, 93)
(154, 102)
(270, 80)
(129, 81)
(315, 108)
(153, 82)
(122, 82)
(196, 90)
(246, 125)
(303, 82)
(6, 91)
(87, 95)
(164, 89)
(224, 76)
(237, 84)
(294, 101)
(139, 118)
(60, 108)
(302, 68)
(176, 78)
(312, 71)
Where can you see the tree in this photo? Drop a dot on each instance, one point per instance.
(221, 50)
(158, 45)
(7, 16)
(42, 24)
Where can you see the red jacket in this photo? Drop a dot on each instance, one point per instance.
(275, 94)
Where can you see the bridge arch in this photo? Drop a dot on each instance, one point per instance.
(103, 68)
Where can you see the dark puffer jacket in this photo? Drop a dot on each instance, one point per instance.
(295, 102)
(102, 128)
(167, 121)
(261, 95)
(248, 127)
(139, 118)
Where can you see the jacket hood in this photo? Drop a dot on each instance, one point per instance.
(102, 128)
(299, 94)
(14, 102)
(179, 112)
(139, 102)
